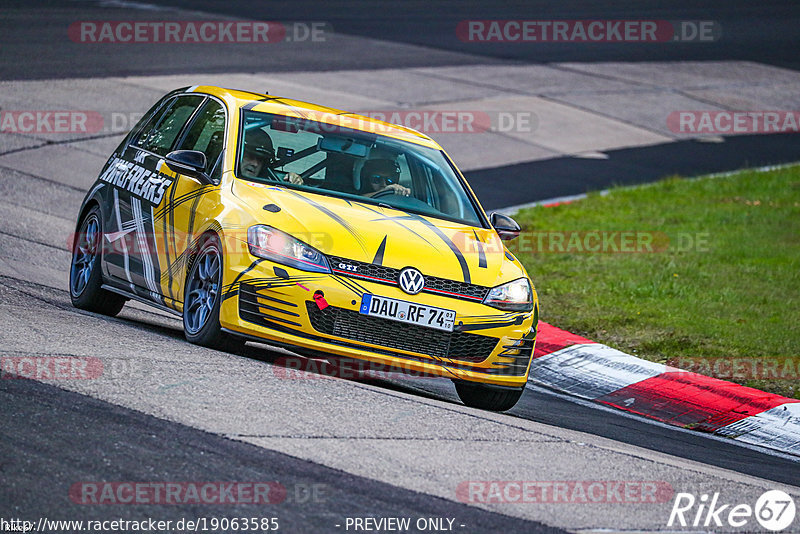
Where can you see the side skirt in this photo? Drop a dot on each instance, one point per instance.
(143, 300)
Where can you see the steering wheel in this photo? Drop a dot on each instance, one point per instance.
(384, 193)
(269, 174)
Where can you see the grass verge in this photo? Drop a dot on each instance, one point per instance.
(701, 273)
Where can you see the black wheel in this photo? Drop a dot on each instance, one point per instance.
(202, 299)
(85, 276)
(486, 397)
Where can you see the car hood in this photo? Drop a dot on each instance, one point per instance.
(384, 236)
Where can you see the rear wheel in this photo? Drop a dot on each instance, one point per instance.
(85, 277)
(486, 397)
(203, 298)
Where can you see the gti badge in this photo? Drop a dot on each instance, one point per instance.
(411, 280)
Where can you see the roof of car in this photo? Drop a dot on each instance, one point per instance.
(296, 108)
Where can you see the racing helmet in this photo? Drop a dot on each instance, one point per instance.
(257, 142)
(380, 169)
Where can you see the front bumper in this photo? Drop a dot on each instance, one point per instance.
(276, 304)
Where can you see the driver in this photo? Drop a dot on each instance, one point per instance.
(382, 175)
(259, 157)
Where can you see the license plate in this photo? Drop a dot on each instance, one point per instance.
(407, 312)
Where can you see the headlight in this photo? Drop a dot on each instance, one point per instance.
(272, 244)
(513, 296)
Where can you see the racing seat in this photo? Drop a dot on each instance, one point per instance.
(338, 169)
(213, 151)
(214, 147)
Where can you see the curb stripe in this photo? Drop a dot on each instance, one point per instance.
(778, 427)
(592, 370)
(551, 339)
(577, 366)
(692, 400)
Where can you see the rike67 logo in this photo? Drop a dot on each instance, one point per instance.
(774, 511)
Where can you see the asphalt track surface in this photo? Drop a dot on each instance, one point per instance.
(52, 439)
(764, 31)
(197, 414)
(566, 176)
(422, 34)
(63, 437)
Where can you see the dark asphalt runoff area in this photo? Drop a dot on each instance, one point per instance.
(566, 176)
(65, 438)
(764, 31)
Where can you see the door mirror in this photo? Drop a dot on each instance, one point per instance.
(507, 228)
(191, 163)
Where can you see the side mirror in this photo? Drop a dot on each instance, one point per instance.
(191, 163)
(507, 228)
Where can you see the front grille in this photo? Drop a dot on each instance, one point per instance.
(352, 325)
(388, 275)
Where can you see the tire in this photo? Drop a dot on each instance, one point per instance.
(487, 397)
(85, 272)
(202, 299)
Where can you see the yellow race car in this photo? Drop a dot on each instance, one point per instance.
(333, 234)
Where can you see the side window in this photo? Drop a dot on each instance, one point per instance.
(155, 115)
(207, 134)
(149, 119)
(405, 172)
(161, 131)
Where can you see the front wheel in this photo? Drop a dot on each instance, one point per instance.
(85, 278)
(486, 397)
(203, 298)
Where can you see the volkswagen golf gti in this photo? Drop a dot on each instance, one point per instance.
(255, 217)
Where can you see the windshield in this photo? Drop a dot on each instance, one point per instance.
(346, 163)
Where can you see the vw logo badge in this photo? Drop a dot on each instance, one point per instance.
(411, 280)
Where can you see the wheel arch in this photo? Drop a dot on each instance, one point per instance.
(85, 209)
(213, 229)
(87, 206)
